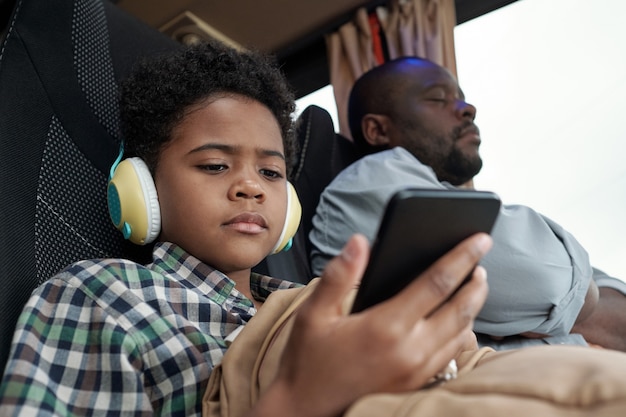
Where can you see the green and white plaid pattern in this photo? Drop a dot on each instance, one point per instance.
(112, 337)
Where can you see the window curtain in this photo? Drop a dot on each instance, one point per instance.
(422, 28)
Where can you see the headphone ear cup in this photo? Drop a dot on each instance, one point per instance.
(133, 202)
(292, 220)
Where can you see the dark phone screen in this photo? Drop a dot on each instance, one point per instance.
(418, 227)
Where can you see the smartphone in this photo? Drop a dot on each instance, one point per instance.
(418, 227)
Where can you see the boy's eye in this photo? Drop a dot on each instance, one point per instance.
(271, 173)
(214, 167)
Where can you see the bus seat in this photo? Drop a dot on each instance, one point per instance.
(322, 153)
(60, 64)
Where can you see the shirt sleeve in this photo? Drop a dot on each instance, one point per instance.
(538, 276)
(88, 343)
(69, 357)
(355, 200)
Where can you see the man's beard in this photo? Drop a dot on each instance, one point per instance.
(459, 168)
(442, 154)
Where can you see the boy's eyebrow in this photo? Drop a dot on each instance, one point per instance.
(269, 152)
(232, 149)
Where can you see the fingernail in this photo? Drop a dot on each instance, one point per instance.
(349, 250)
(484, 242)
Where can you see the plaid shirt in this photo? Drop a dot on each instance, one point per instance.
(112, 337)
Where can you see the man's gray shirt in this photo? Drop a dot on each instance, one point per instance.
(538, 273)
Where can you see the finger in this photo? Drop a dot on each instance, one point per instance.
(437, 355)
(470, 342)
(439, 281)
(457, 313)
(442, 356)
(341, 275)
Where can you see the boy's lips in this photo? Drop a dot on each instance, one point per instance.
(247, 223)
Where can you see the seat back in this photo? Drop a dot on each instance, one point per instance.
(322, 154)
(60, 64)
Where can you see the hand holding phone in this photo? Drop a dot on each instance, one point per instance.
(418, 227)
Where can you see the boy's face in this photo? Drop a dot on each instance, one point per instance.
(221, 183)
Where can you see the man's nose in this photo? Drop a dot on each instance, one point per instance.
(465, 110)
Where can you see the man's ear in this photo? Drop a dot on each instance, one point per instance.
(375, 128)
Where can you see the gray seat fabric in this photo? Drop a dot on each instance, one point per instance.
(60, 64)
(322, 155)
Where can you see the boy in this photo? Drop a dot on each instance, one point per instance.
(214, 128)
(111, 337)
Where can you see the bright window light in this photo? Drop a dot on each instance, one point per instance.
(548, 80)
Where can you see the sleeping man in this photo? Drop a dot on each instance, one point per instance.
(410, 121)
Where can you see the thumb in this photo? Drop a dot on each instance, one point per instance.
(341, 275)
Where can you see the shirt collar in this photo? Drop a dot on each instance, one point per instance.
(171, 259)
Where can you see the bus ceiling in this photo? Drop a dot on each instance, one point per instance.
(291, 30)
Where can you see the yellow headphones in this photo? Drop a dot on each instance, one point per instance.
(292, 221)
(134, 204)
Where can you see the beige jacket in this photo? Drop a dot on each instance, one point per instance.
(554, 381)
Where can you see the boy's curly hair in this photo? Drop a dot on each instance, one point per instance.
(159, 91)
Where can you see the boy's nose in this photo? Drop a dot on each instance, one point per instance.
(247, 188)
